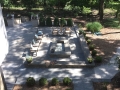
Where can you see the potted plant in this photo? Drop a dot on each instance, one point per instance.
(90, 59)
(29, 59)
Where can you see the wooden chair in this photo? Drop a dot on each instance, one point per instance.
(55, 32)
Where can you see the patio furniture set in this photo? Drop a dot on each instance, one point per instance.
(34, 46)
(62, 31)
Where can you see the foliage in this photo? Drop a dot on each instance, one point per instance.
(67, 81)
(113, 23)
(86, 38)
(62, 22)
(48, 22)
(94, 52)
(42, 21)
(86, 10)
(88, 25)
(94, 27)
(90, 59)
(30, 81)
(56, 22)
(29, 59)
(91, 47)
(54, 81)
(98, 59)
(69, 22)
(43, 81)
(81, 32)
(89, 41)
(6, 3)
(48, 10)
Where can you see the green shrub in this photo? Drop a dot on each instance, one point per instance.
(81, 32)
(62, 22)
(84, 34)
(56, 22)
(49, 22)
(54, 81)
(94, 52)
(86, 38)
(90, 59)
(42, 21)
(67, 81)
(43, 81)
(89, 41)
(91, 47)
(69, 22)
(98, 59)
(88, 25)
(94, 27)
(30, 81)
(29, 59)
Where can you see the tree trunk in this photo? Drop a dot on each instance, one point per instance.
(101, 8)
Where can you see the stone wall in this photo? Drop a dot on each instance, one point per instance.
(3, 46)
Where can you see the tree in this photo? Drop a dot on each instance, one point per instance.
(101, 8)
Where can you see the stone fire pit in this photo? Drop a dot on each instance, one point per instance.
(60, 49)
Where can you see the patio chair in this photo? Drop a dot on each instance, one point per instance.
(67, 31)
(38, 37)
(54, 32)
(35, 43)
(39, 32)
(34, 50)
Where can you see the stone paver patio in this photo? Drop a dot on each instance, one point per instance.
(15, 72)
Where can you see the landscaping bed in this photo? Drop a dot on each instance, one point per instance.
(44, 84)
(47, 87)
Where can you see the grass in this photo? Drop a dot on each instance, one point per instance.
(113, 23)
(22, 8)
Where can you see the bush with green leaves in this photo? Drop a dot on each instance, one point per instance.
(81, 32)
(62, 22)
(48, 22)
(91, 47)
(29, 59)
(94, 52)
(69, 22)
(67, 81)
(43, 81)
(86, 10)
(56, 22)
(98, 59)
(94, 27)
(86, 38)
(89, 41)
(90, 59)
(42, 21)
(54, 81)
(30, 81)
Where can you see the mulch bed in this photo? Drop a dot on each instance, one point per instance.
(60, 86)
